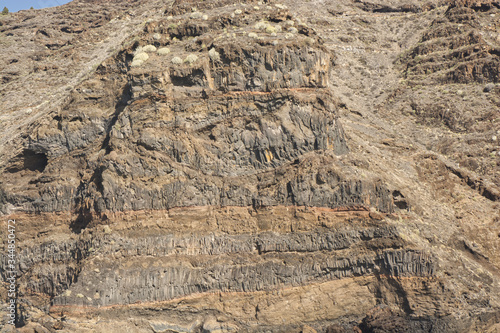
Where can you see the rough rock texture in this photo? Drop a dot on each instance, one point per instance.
(304, 166)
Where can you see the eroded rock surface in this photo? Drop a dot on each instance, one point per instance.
(253, 167)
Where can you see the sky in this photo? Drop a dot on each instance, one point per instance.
(15, 5)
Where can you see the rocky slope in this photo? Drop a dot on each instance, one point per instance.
(295, 166)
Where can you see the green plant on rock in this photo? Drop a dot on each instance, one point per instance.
(262, 25)
(141, 56)
(149, 48)
(5, 11)
(270, 29)
(196, 15)
(137, 50)
(176, 60)
(136, 63)
(191, 58)
(163, 51)
(214, 55)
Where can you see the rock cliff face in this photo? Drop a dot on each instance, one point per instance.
(288, 167)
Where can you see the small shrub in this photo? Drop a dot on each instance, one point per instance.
(156, 36)
(293, 30)
(5, 11)
(196, 15)
(278, 28)
(256, 7)
(141, 56)
(262, 25)
(172, 26)
(137, 50)
(176, 60)
(288, 35)
(214, 55)
(204, 17)
(191, 58)
(253, 35)
(274, 34)
(270, 29)
(136, 63)
(164, 51)
(238, 11)
(290, 23)
(149, 48)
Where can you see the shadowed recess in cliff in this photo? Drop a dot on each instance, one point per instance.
(29, 160)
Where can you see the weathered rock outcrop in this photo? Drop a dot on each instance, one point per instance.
(238, 167)
(454, 49)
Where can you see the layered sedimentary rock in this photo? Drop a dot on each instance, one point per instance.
(201, 179)
(454, 49)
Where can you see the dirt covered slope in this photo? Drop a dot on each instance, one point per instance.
(294, 166)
